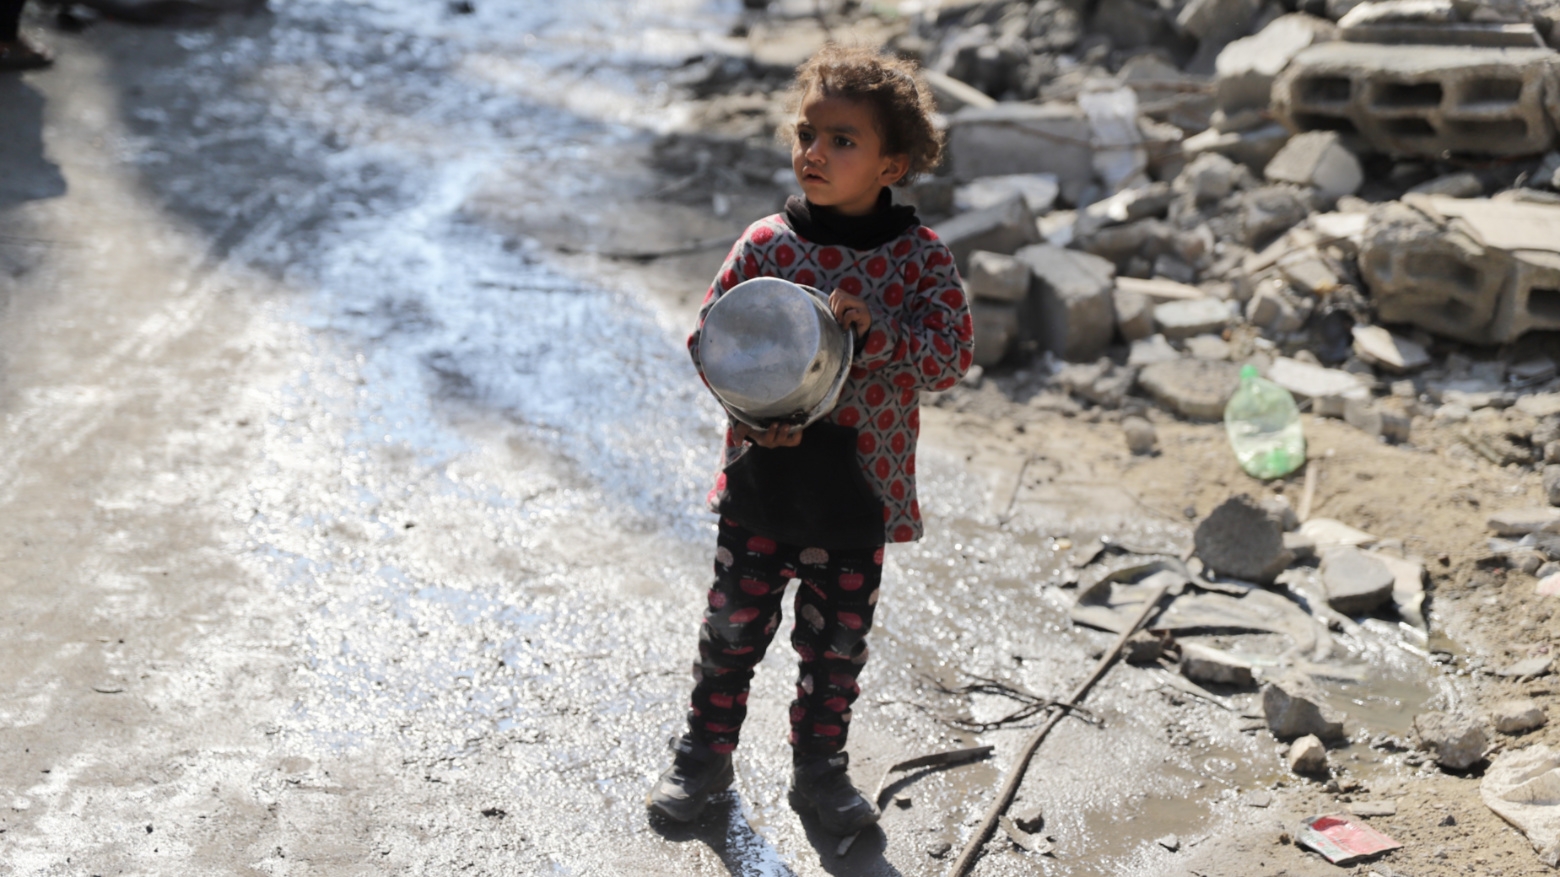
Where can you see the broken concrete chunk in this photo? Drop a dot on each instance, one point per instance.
(1520, 522)
(1290, 716)
(1073, 311)
(1455, 740)
(951, 95)
(1357, 583)
(1552, 484)
(1143, 649)
(1246, 68)
(1271, 211)
(1016, 138)
(1308, 381)
(1317, 159)
(1458, 185)
(1134, 314)
(1517, 716)
(1522, 786)
(1207, 347)
(1039, 192)
(1538, 665)
(1377, 418)
(1178, 320)
(1399, 12)
(1308, 756)
(1147, 351)
(1211, 666)
(997, 277)
(1327, 532)
(1208, 178)
(996, 329)
(1101, 382)
(1194, 388)
(1000, 229)
(1382, 349)
(1243, 540)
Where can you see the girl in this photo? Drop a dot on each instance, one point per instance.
(862, 123)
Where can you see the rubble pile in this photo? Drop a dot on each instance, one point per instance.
(1360, 198)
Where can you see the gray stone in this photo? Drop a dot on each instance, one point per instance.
(1253, 148)
(1134, 316)
(1278, 507)
(1520, 522)
(1414, 99)
(1455, 740)
(1147, 351)
(1178, 320)
(1385, 350)
(1270, 308)
(1101, 382)
(1015, 138)
(1143, 649)
(1379, 418)
(1290, 715)
(1303, 547)
(1211, 666)
(1247, 67)
(1271, 211)
(1308, 756)
(1356, 582)
(1001, 229)
(1072, 314)
(1400, 11)
(1207, 178)
(1317, 159)
(1039, 191)
(1310, 272)
(997, 277)
(1242, 540)
(1458, 185)
(1141, 438)
(1373, 809)
(1194, 388)
(1517, 716)
(996, 329)
(1207, 347)
(1552, 484)
(1206, 19)
(1307, 381)
(1539, 665)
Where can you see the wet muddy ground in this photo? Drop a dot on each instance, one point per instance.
(353, 514)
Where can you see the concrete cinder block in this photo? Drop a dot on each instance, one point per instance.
(1071, 311)
(1134, 314)
(1013, 138)
(1000, 229)
(1438, 279)
(1424, 100)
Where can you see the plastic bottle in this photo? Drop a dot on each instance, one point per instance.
(1264, 427)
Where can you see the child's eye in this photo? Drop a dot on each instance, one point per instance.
(842, 141)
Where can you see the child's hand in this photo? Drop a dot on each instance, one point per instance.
(850, 311)
(778, 435)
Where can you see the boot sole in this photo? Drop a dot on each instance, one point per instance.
(696, 805)
(803, 804)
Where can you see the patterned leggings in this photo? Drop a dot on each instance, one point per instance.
(833, 614)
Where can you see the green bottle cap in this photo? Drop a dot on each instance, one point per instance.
(1248, 371)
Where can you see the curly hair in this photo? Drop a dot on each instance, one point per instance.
(900, 99)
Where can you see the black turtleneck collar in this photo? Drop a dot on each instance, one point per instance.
(829, 227)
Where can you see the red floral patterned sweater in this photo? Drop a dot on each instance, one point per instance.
(921, 339)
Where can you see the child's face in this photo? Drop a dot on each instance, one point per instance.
(838, 157)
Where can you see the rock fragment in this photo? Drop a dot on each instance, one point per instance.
(1000, 229)
(1242, 540)
(1211, 666)
(1073, 311)
(1356, 582)
(1317, 159)
(1517, 716)
(997, 277)
(1140, 435)
(1179, 320)
(1382, 349)
(1194, 388)
(1455, 740)
(1308, 756)
(1289, 716)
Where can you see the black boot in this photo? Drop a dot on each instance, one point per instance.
(822, 783)
(697, 772)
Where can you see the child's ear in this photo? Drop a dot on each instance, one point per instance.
(894, 169)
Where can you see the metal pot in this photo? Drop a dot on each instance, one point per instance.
(773, 352)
